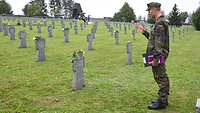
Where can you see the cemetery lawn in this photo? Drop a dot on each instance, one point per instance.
(110, 84)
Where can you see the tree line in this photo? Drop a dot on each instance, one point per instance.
(39, 7)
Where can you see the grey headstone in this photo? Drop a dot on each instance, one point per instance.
(129, 26)
(111, 30)
(1, 23)
(120, 27)
(75, 29)
(93, 30)
(116, 25)
(179, 34)
(30, 26)
(50, 31)
(70, 24)
(45, 23)
(66, 38)
(124, 29)
(183, 32)
(22, 37)
(116, 37)
(89, 41)
(63, 25)
(12, 33)
(77, 68)
(133, 32)
(24, 23)
(39, 28)
(173, 36)
(129, 53)
(81, 26)
(5, 29)
(53, 24)
(85, 24)
(40, 45)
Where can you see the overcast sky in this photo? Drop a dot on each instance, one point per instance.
(107, 8)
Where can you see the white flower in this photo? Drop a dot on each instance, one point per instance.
(114, 31)
(8, 23)
(63, 29)
(34, 38)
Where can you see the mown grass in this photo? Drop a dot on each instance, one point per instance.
(110, 84)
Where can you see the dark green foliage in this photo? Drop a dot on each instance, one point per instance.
(183, 16)
(43, 5)
(25, 10)
(196, 19)
(127, 12)
(151, 20)
(68, 7)
(174, 17)
(5, 7)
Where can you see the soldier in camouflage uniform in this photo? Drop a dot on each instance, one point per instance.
(158, 42)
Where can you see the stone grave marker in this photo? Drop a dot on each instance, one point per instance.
(116, 37)
(12, 33)
(77, 68)
(75, 29)
(133, 32)
(111, 30)
(50, 30)
(45, 23)
(66, 34)
(89, 41)
(39, 28)
(120, 27)
(5, 29)
(81, 26)
(179, 34)
(40, 45)
(129, 53)
(124, 29)
(22, 37)
(93, 30)
(30, 26)
(53, 24)
(24, 23)
(70, 24)
(173, 36)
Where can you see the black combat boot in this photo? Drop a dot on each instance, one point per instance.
(157, 105)
(166, 103)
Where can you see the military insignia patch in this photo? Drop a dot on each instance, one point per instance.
(159, 26)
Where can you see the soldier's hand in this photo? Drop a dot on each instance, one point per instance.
(153, 63)
(140, 28)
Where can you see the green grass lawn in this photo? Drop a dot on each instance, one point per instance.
(110, 84)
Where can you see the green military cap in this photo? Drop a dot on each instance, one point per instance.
(153, 4)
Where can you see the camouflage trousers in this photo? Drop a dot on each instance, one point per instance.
(162, 80)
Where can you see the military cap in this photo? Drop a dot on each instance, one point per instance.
(153, 4)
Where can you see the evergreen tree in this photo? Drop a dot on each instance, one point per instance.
(5, 7)
(127, 12)
(43, 5)
(33, 8)
(25, 10)
(174, 17)
(183, 16)
(68, 7)
(196, 19)
(53, 4)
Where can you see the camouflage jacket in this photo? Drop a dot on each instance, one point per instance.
(158, 39)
